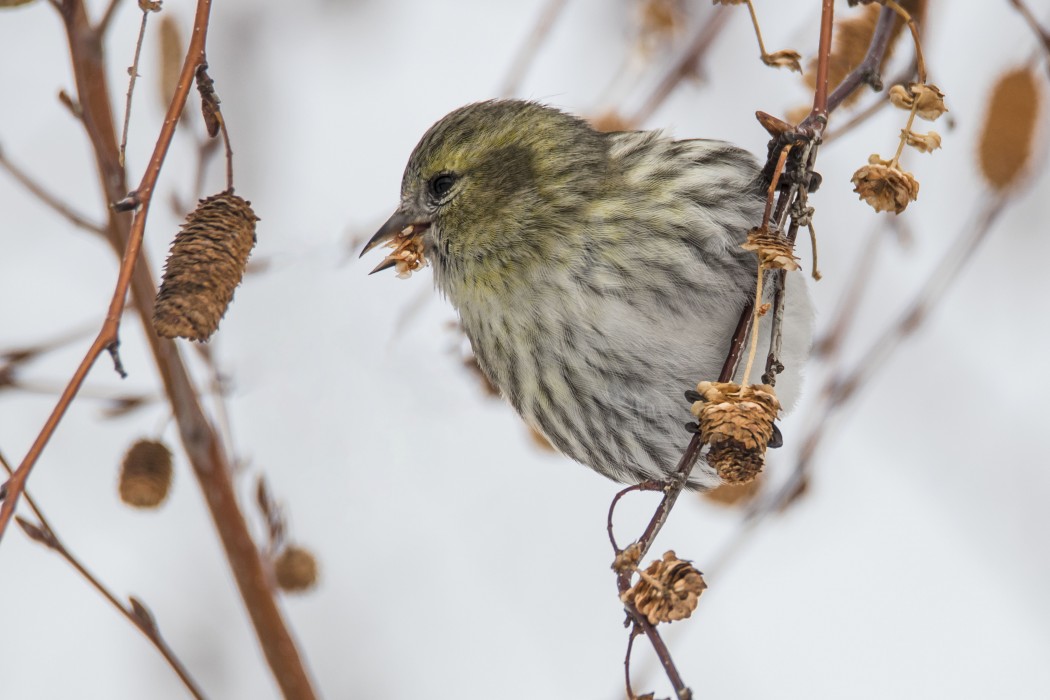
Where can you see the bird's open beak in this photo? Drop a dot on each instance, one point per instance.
(404, 230)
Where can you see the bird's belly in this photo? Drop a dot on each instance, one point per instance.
(605, 385)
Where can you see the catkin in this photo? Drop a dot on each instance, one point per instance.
(1005, 146)
(206, 264)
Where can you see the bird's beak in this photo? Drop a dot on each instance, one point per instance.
(398, 226)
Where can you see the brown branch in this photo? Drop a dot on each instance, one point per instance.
(1042, 33)
(684, 67)
(107, 18)
(133, 74)
(868, 72)
(43, 533)
(37, 190)
(202, 445)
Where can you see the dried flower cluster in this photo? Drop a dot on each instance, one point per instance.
(145, 474)
(883, 184)
(737, 422)
(295, 569)
(668, 590)
(206, 264)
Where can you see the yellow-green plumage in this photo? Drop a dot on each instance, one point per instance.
(597, 275)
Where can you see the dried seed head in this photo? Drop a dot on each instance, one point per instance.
(668, 590)
(145, 474)
(295, 569)
(407, 256)
(923, 143)
(885, 187)
(774, 252)
(206, 264)
(927, 100)
(1009, 128)
(737, 422)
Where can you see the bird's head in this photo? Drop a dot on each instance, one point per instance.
(488, 187)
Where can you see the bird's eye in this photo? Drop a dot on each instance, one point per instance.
(441, 184)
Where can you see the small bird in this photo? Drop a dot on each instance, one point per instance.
(596, 275)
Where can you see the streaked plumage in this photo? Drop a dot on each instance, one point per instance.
(597, 275)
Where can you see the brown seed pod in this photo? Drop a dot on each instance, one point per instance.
(145, 474)
(668, 590)
(295, 569)
(737, 422)
(206, 264)
(1005, 146)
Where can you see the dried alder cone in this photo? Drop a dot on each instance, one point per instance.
(145, 474)
(737, 422)
(667, 591)
(206, 264)
(295, 569)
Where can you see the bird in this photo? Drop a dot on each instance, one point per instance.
(596, 274)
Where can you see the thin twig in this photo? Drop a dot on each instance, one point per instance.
(842, 387)
(37, 190)
(133, 74)
(685, 66)
(146, 625)
(1040, 31)
(107, 17)
(527, 53)
(199, 438)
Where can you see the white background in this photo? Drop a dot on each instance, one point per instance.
(457, 559)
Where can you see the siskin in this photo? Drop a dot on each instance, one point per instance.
(597, 275)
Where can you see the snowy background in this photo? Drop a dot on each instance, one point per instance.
(458, 560)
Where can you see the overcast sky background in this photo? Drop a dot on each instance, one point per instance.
(458, 560)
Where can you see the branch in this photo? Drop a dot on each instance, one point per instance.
(37, 190)
(1040, 31)
(203, 446)
(107, 19)
(684, 67)
(46, 535)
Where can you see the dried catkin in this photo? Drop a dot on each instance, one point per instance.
(145, 474)
(206, 264)
(1009, 129)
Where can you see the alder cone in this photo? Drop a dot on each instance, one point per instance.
(205, 265)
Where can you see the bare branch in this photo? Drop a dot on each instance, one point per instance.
(137, 614)
(37, 190)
